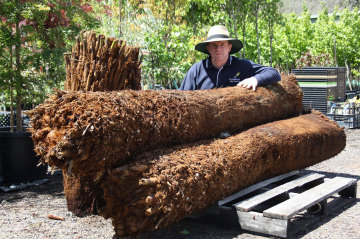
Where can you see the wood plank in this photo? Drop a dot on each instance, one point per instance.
(308, 198)
(256, 222)
(285, 228)
(252, 202)
(256, 186)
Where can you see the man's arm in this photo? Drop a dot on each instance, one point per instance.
(189, 81)
(261, 75)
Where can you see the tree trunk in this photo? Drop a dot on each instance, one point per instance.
(244, 44)
(120, 6)
(234, 17)
(348, 74)
(11, 90)
(101, 129)
(335, 56)
(166, 185)
(271, 47)
(194, 19)
(19, 126)
(257, 36)
(118, 70)
(18, 85)
(83, 195)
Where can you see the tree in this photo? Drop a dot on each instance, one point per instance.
(243, 10)
(348, 41)
(167, 60)
(293, 37)
(33, 38)
(238, 11)
(271, 15)
(256, 6)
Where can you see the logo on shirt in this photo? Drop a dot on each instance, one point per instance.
(236, 78)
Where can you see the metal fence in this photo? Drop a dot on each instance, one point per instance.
(5, 119)
(346, 114)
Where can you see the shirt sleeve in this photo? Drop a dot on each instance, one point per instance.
(189, 81)
(264, 74)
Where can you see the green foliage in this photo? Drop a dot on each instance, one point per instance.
(347, 38)
(33, 37)
(167, 59)
(166, 31)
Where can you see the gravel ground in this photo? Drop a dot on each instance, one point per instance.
(24, 214)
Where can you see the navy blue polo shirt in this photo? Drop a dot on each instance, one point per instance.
(203, 75)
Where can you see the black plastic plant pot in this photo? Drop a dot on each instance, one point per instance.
(19, 161)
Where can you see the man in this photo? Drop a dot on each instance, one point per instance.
(222, 70)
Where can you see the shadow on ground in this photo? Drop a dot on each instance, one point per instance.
(53, 186)
(215, 227)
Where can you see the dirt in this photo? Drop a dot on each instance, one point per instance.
(23, 214)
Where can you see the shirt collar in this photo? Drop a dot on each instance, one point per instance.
(210, 65)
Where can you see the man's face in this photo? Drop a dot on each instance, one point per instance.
(219, 50)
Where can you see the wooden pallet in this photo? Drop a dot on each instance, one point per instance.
(283, 205)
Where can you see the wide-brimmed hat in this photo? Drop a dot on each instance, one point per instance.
(219, 33)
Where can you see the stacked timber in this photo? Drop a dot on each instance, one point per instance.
(99, 63)
(166, 185)
(87, 132)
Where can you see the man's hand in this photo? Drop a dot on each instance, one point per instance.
(251, 82)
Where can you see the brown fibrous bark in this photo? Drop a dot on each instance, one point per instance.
(86, 133)
(163, 186)
(96, 64)
(99, 63)
(83, 195)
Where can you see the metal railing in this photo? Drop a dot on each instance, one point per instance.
(346, 114)
(5, 119)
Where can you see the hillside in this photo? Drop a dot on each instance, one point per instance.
(315, 6)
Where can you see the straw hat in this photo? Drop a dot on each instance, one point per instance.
(219, 33)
